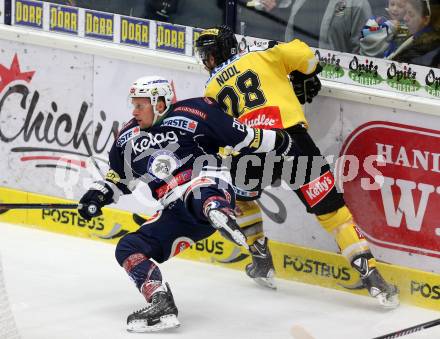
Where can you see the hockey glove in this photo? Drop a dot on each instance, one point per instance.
(306, 86)
(99, 195)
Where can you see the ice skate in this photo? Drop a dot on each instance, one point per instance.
(159, 315)
(261, 269)
(224, 220)
(387, 294)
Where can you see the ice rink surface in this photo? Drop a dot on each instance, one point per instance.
(70, 288)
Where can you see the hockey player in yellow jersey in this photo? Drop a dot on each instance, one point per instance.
(254, 87)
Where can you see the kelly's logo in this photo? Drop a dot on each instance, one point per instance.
(318, 189)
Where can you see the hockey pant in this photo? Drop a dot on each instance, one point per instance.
(173, 230)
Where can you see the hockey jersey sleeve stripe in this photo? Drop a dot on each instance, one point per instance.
(267, 142)
(250, 135)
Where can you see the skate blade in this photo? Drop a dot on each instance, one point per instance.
(266, 282)
(388, 302)
(166, 322)
(221, 221)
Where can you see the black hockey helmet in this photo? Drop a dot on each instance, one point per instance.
(220, 42)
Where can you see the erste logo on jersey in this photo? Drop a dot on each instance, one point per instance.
(150, 140)
(183, 123)
(162, 164)
(127, 135)
(265, 118)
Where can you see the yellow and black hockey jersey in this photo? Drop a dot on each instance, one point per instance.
(254, 87)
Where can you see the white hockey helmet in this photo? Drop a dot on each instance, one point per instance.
(153, 87)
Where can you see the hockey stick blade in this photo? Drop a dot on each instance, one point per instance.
(28, 206)
(410, 330)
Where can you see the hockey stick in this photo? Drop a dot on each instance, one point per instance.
(410, 330)
(26, 206)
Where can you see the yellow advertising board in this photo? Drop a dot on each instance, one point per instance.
(291, 262)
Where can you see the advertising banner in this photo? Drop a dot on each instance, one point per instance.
(339, 67)
(379, 74)
(99, 25)
(28, 13)
(135, 31)
(389, 177)
(46, 126)
(64, 19)
(401, 182)
(171, 38)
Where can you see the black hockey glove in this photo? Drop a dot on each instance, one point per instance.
(98, 195)
(306, 86)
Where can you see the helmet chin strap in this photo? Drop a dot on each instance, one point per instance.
(158, 116)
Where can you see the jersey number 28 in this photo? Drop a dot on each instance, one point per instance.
(248, 85)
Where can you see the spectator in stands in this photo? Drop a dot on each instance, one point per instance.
(197, 13)
(161, 10)
(382, 35)
(329, 24)
(264, 19)
(423, 46)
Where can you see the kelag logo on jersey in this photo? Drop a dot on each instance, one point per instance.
(127, 135)
(185, 124)
(395, 201)
(153, 140)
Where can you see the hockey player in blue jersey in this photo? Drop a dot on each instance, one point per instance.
(173, 149)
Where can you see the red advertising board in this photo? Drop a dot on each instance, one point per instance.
(395, 192)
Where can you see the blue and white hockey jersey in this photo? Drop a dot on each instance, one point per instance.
(171, 155)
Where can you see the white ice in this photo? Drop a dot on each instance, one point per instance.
(70, 288)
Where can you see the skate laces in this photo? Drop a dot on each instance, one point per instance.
(154, 302)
